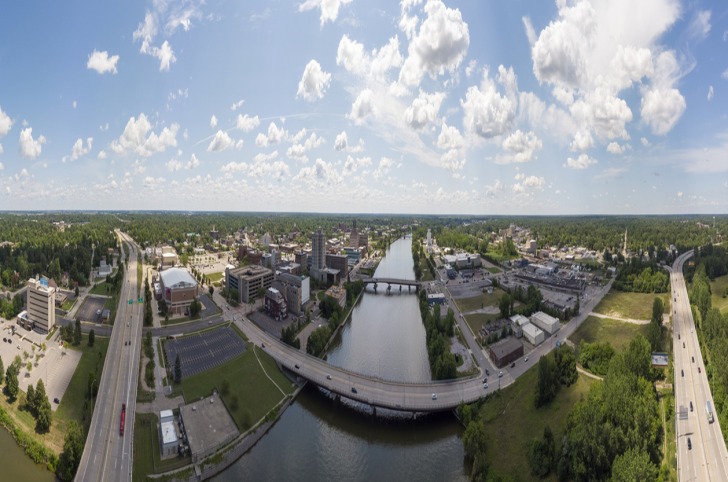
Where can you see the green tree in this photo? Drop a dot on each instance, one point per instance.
(195, 309)
(657, 310)
(30, 399)
(75, 291)
(11, 381)
(44, 417)
(542, 454)
(77, 333)
(505, 305)
(633, 466)
(474, 445)
(177, 369)
(72, 451)
(2, 371)
(547, 383)
(163, 309)
(91, 337)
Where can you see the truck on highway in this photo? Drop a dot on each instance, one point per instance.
(709, 411)
(123, 416)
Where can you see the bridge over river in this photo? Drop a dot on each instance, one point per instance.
(413, 397)
(392, 281)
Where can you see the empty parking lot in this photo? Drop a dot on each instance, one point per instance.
(203, 351)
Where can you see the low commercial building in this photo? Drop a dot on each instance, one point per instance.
(246, 282)
(505, 351)
(179, 289)
(295, 289)
(207, 426)
(168, 440)
(533, 334)
(40, 301)
(436, 299)
(275, 304)
(547, 323)
(517, 322)
(466, 260)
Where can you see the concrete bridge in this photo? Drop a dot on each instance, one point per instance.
(412, 397)
(409, 283)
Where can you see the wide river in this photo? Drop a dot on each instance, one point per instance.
(318, 439)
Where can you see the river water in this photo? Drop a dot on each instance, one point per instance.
(16, 465)
(319, 439)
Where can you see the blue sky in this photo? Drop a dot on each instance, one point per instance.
(487, 107)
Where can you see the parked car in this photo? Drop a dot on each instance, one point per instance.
(353, 390)
(500, 374)
(682, 373)
(691, 406)
(485, 385)
(699, 370)
(690, 444)
(55, 400)
(328, 377)
(297, 367)
(434, 396)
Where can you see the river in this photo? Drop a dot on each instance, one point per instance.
(16, 465)
(318, 439)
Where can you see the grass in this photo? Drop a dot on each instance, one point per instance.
(146, 449)
(512, 421)
(255, 393)
(480, 301)
(718, 287)
(215, 277)
(637, 306)
(100, 289)
(669, 448)
(494, 270)
(68, 304)
(479, 320)
(617, 333)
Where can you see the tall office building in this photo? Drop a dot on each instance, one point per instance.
(41, 304)
(318, 251)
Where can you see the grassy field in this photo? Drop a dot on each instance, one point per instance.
(256, 395)
(718, 288)
(637, 306)
(68, 304)
(617, 333)
(146, 449)
(215, 277)
(494, 270)
(512, 421)
(100, 289)
(478, 320)
(477, 302)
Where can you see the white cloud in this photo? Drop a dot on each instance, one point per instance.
(352, 164)
(700, 26)
(521, 147)
(615, 148)
(101, 155)
(213, 121)
(471, 67)
(485, 111)
(530, 183)
(321, 173)
(6, 123)
(355, 59)
(298, 151)
(710, 93)
(582, 141)
(449, 138)
(680, 194)
(603, 112)
(329, 8)
(173, 165)
(146, 31)
(101, 62)
(275, 136)
(237, 105)
(725, 74)
(440, 44)
(424, 109)
(454, 161)
(246, 123)
(530, 31)
(314, 82)
(645, 142)
(362, 106)
(220, 142)
(341, 141)
(193, 162)
(30, 148)
(382, 170)
(581, 162)
(74, 104)
(138, 138)
(78, 150)
(662, 108)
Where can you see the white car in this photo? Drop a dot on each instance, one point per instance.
(434, 396)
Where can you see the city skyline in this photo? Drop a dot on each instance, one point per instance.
(346, 106)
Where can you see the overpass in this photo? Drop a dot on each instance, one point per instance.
(392, 281)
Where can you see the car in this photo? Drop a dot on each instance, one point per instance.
(434, 396)
(690, 444)
(513, 364)
(353, 390)
(500, 374)
(328, 377)
(487, 372)
(297, 367)
(691, 406)
(262, 345)
(698, 367)
(693, 359)
(485, 380)
(525, 359)
(682, 373)
(485, 385)
(683, 344)
(678, 336)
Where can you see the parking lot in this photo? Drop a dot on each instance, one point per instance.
(91, 309)
(203, 351)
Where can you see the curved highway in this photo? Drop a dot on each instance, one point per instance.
(705, 458)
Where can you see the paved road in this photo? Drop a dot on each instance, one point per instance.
(107, 455)
(707, 460)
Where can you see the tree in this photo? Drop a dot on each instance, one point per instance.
(211, 289)
(542, 454)
(163, 308)
(30, 399)
(177, 370)
(548, 381)
(2, 371)
(633, 465)
(44, 417)
(76, 291)
(91, 338)
(657, 310)
(77, 333)
(71, 455)
(505, 305)
(195, 309)
(11, 381)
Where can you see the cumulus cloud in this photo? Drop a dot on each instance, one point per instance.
(440, 44)
(362, 107)
(353, 164)
(139, 138)
(101, 62)
(341, 141)
(581, 162)
(679, 194)
(520, 146)
(530, 183)
(382, 170)
(329, 8)
(486, 112)
(78, 150)
(424, 109)
(645, 142)
(101, 155)
(582, 141)
(662, 108)
(213, 121)
(449, 138)
(246, 123)
(615, 148)
(605, 113)
(314, 82)
(30, 148)
(220, 142)
(321, 173)
(298, 150)
(710, 93)
(275, 136)
(145, 32)
(700, 25)
(352, 56)
(6, 123)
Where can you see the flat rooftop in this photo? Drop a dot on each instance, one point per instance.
(206, 424)
(505, 347)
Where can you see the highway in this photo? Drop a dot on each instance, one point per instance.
(107, 455)
(707, 459)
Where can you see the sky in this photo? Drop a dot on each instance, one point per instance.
(354, 106)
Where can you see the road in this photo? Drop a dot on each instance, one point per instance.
(107, 455)
(707, 460)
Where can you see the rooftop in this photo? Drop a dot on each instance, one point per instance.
(177, 278)
(207, 424)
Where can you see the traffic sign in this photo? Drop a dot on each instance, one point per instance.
(141, 299)
(131, 301)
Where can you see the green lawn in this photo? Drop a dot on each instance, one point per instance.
(494, 270)
(68, 305)
(146, 449)
(512, 421)
(617, 333)
(477, 302)
(637, 306)
(256, 394)
(478, 320)
(100, 289)
(718, 288)
(214, 277)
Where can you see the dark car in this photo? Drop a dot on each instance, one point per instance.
(353, 390)
(55, 400)
(682, 373)
(699, 370)
(678, 336)
(297, 367)
(690, 444)
(691, 406)
(513, 364)
(693, 359)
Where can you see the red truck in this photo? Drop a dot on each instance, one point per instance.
(123, 416)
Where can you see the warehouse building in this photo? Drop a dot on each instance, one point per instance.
(505, 351)
(547, 323)
(533, 334)
(168, 440)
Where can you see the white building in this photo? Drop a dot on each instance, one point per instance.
(533, 334)
(167, 434)
(41, 304)
(547, 323)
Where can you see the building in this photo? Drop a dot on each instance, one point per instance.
(207, 426)
(505, 351)
(178, 289)
(40, 301)
(340, 262)
(168, 440)
(354, 237)
(466, 260)
(531, 246)
(533, 334)
(275, 304)
(318, 251)
(517, 323)
(104, 269)
(301, 257)
(547, 323)
(436, 299)
(296, 290)
(245, 282)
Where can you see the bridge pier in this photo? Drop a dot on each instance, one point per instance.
(389, 289)
(400, 288)
(374, 411)
(375, 287)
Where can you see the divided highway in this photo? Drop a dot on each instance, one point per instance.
(701, 449)
(107, 455)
